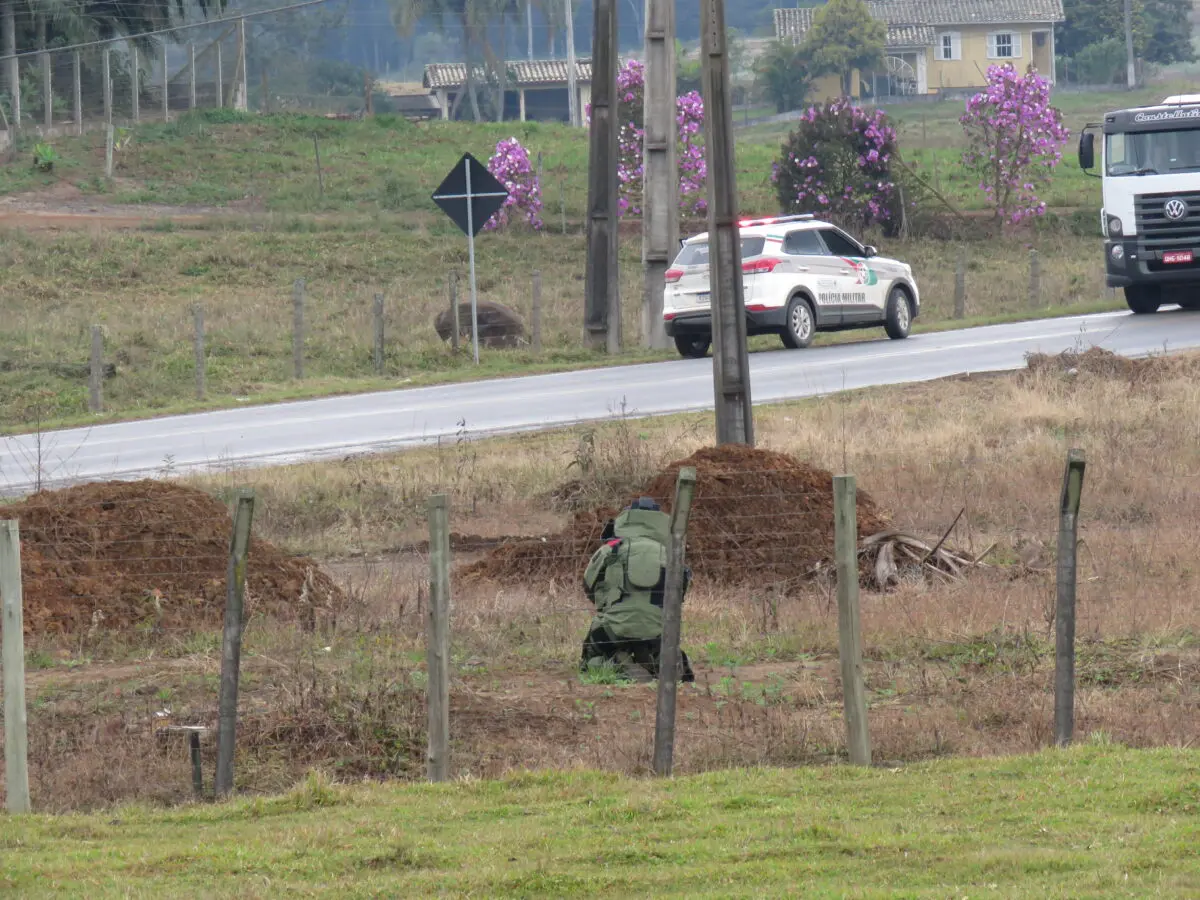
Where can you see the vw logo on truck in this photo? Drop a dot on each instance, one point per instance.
(1175, 209)
(1150, 172)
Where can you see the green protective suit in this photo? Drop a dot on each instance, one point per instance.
(625, 578)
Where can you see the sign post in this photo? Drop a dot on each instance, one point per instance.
(470, 195)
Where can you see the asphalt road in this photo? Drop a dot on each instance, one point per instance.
(314, 429)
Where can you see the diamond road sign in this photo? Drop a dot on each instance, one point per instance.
(470, 180)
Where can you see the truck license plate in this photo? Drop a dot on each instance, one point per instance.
(1177, 256)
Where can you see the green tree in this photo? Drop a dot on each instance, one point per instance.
(1160, 28)
(1100, 63)
(783, 73)
(471, 19)
(1168, 35)
(844, 37)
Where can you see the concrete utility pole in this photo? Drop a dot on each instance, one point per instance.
(1130, 62)
(660, 196)
(602, 305)
(528, 27)
(731, 368)
(572, 75)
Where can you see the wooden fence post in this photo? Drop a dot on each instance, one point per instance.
(96, 368)
(16, 726)
(231, 645)
(219, 75)
(47, 91)
(77, 75)
(192, 76)
(1064, 608)
(960, 286)
(668, 660)
(535, 317)
(1035, 280)
(135, 108)
(438, 637)
(197, 767)
(166, 85)
(298, 329)
(452, 286)
(854, 696)
(106, 85)
(108, 149)
(201, 356)
(378, 309)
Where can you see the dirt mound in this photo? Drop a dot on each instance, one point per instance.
(757, 515)
(113, 554)
(1101, 363)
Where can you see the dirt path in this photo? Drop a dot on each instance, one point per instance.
(65, 206)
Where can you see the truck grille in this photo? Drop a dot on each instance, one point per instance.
(1157, 232)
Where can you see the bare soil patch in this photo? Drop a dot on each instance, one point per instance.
(755, 511)
(115, 554)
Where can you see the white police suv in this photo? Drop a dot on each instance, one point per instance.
(800, 276)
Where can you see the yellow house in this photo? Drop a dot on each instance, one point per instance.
(938, 46)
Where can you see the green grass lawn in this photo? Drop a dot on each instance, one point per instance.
(389, 164)
(1096, 821)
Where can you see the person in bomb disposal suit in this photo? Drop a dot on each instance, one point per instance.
(625, 580)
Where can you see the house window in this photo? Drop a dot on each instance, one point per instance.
(1004, 45)
(949, 45)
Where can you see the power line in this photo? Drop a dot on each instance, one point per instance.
(157, 31)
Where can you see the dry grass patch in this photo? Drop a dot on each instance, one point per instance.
(141, 287)
(952, 668)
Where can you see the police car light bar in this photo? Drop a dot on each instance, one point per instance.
(776, 220)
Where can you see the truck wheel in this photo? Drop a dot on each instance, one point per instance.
(1143, 300)
(899, 314)
(799, 326)
(692, 346)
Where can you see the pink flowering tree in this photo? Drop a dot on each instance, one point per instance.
(510, 165)
(689, 118)
(1014, 141)
(837, 164)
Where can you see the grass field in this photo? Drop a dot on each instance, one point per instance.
(1089, 822)
(222, 158)
(250, 219)
(953, 668)
(140, 286)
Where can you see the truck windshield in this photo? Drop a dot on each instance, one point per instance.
(697, 254)
(1152, 152)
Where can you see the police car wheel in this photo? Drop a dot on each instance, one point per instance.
(692, 347)
(899, 314)
(798, 328)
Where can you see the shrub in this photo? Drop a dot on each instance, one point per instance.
(837, 163)
(1014, 138)
(510, 165)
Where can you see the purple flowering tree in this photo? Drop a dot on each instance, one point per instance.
(837, 163)
(689, 117)
(510, 165)
(1014, 141)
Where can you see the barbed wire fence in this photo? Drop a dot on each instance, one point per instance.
(349, 684)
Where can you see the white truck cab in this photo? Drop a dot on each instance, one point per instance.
(1150, 171)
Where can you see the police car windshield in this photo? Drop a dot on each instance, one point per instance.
(1152, 152)
(697, 254)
